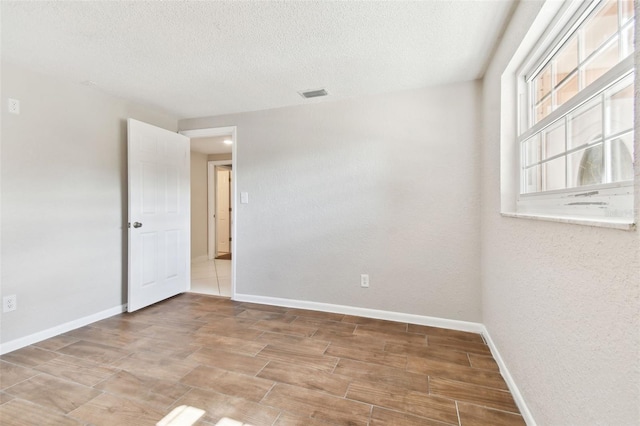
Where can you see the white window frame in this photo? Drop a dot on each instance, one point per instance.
(606, 204)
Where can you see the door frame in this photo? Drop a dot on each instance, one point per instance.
(224, 131)
(211, 206)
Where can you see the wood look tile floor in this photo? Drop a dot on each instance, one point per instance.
(257, 364)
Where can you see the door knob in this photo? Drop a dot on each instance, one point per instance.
(137, 225)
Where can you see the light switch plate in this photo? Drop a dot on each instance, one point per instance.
(244, 198)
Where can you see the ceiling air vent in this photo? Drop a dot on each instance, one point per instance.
(313, 93)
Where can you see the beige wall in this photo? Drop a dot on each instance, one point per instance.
(64, 200)
(338, 189)
(219, 157)
(559, 300)
(198, 205)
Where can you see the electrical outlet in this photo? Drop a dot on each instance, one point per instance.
(14, 106)
(9, 303)
(364, 280)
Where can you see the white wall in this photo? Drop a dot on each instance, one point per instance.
(384, 185)
(63, 200)
(199, 244)
(559, 300)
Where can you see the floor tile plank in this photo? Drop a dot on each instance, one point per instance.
(484, 362)
(18, 412)
(306, 377)
(318, 405)
(77, 370)
(401, 399)
(218, 406)
(228, 383)
(109, 410)
(291, 355)
(460, 373)
(11, 374)
(53, 393)
(384, 417)
(474, 415)
(494, 398)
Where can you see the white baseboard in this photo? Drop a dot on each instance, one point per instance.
(21, 342)
(199, 259)
(515, 392)
(364, 312)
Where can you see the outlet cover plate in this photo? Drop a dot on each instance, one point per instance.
(9, 303)
(13, 106)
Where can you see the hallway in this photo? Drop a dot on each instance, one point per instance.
(212, 277)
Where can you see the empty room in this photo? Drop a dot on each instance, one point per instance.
(319, 213)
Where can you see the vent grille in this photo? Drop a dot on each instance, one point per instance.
(314, 93)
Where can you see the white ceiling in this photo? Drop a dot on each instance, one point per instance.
(208, 58)
(211, 145)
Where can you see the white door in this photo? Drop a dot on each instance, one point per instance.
(223, 225)
(159, 214)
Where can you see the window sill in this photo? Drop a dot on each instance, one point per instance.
(622, 224)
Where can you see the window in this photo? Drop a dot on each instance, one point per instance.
(576, 116)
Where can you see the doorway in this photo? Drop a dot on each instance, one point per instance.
(220, 221)
(212, 211)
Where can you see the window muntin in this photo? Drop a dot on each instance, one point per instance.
(603, 38)
(591, 144)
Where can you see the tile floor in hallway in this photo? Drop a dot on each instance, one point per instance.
(257, 364)
(212, 277)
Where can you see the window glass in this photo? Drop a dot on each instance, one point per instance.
(600, 27)
(568, 89)
(622, 158)
(543, 83)
(532, 181)
(620, 107)
(554, 140)
(626, 9)
(586, 166)
(566, 59)
(554, 174)
(543, 109)
(601, 62)
(532, 150)
(585, 124)
(627, 41)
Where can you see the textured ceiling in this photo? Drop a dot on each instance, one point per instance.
(208, 58)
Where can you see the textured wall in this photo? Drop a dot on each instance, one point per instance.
(384, 185)
(64, 206)
(560, 301)
(198, 205)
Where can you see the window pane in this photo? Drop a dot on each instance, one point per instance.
(567, 59)
(621, 151)
(554, 174)
(601, 63)
(626, 7)
(627, 41)
(600, 27)
(543, 83)
(554, 140)
(585, 124)
(620, 107)
(585, 167)
(532, 150)
(568, 90)
(532, 180)
(543, 109)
